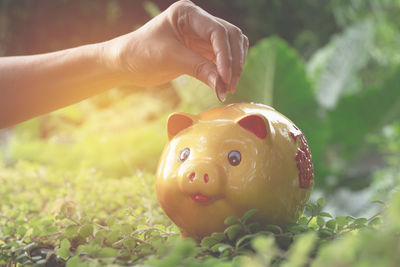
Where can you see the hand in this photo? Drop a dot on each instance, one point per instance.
(184, 39)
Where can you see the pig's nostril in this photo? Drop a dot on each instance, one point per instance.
(191, 176)
(206, 178)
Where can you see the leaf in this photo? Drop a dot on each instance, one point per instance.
(129, 243)
(320, 221)
(326, 233)
(253, 227)
(300, 251)
(331, 224)
(341, 221)
(208, 242)
(71, 231)
(63, 252)
(232, 231)
(86, 230)
(343, 58)
(321, 202)
(65, 244)
(113, 237)
(378, 202)
(248, 215)
(72, 262)
(375, 221)
(366, 112)
(273, 228)
(220, 247)
(126, 229)
(218, 236)
(231, 220)
(244, 238)
(297, 228)
(360, 221)
(302, 220)
(107, 252)
(325, 214)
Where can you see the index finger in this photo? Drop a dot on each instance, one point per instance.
(194, 20)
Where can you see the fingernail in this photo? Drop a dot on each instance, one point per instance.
(221, 90)
(212, 80)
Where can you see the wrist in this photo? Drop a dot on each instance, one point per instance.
(110, 59)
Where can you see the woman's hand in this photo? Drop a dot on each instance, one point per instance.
(184, 39)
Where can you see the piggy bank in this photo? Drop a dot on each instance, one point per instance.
(230, 159)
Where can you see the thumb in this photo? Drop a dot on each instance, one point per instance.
(202, 69)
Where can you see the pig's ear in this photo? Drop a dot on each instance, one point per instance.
(255, 124)
(178, 122)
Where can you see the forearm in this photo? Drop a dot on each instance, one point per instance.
(33, 85)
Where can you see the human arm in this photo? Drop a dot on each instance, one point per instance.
(184, 39)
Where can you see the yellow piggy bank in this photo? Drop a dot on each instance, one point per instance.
(228, 160)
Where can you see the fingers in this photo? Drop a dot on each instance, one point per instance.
(203, 69)
(239, 46)
(192, 20)
(226, 41)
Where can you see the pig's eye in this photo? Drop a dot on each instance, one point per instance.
(184, 154)
(234, 157)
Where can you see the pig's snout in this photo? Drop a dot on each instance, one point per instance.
(206, 178)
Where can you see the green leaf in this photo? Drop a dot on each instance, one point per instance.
(378, 202)
(113, 237)
(208, 242)
(325, 214)
(244, 239)
(65, 243)
(231, 220)
(253, 227)
(86, 230)
(107, 252)
(320, 221)
(224, 247)
(360, 221)
(71, 231)
(218, 236)
(220, 247)
(299, 252)
(273, 228)
(344, 57)
(326, 232)
(297, 228)
(248, 215)
(342, 221)
(321, 202)
(232, 231)
(302, 220)
(21, 230)
(331, 224)
(64, 252)
(129, 243)
(126, 229)
(375, 221)
(365, 113)
(73, 262)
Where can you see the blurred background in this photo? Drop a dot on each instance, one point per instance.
(332, 67)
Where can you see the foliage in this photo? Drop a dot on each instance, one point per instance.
(91, 219)
(335, 124)
(77, 185)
